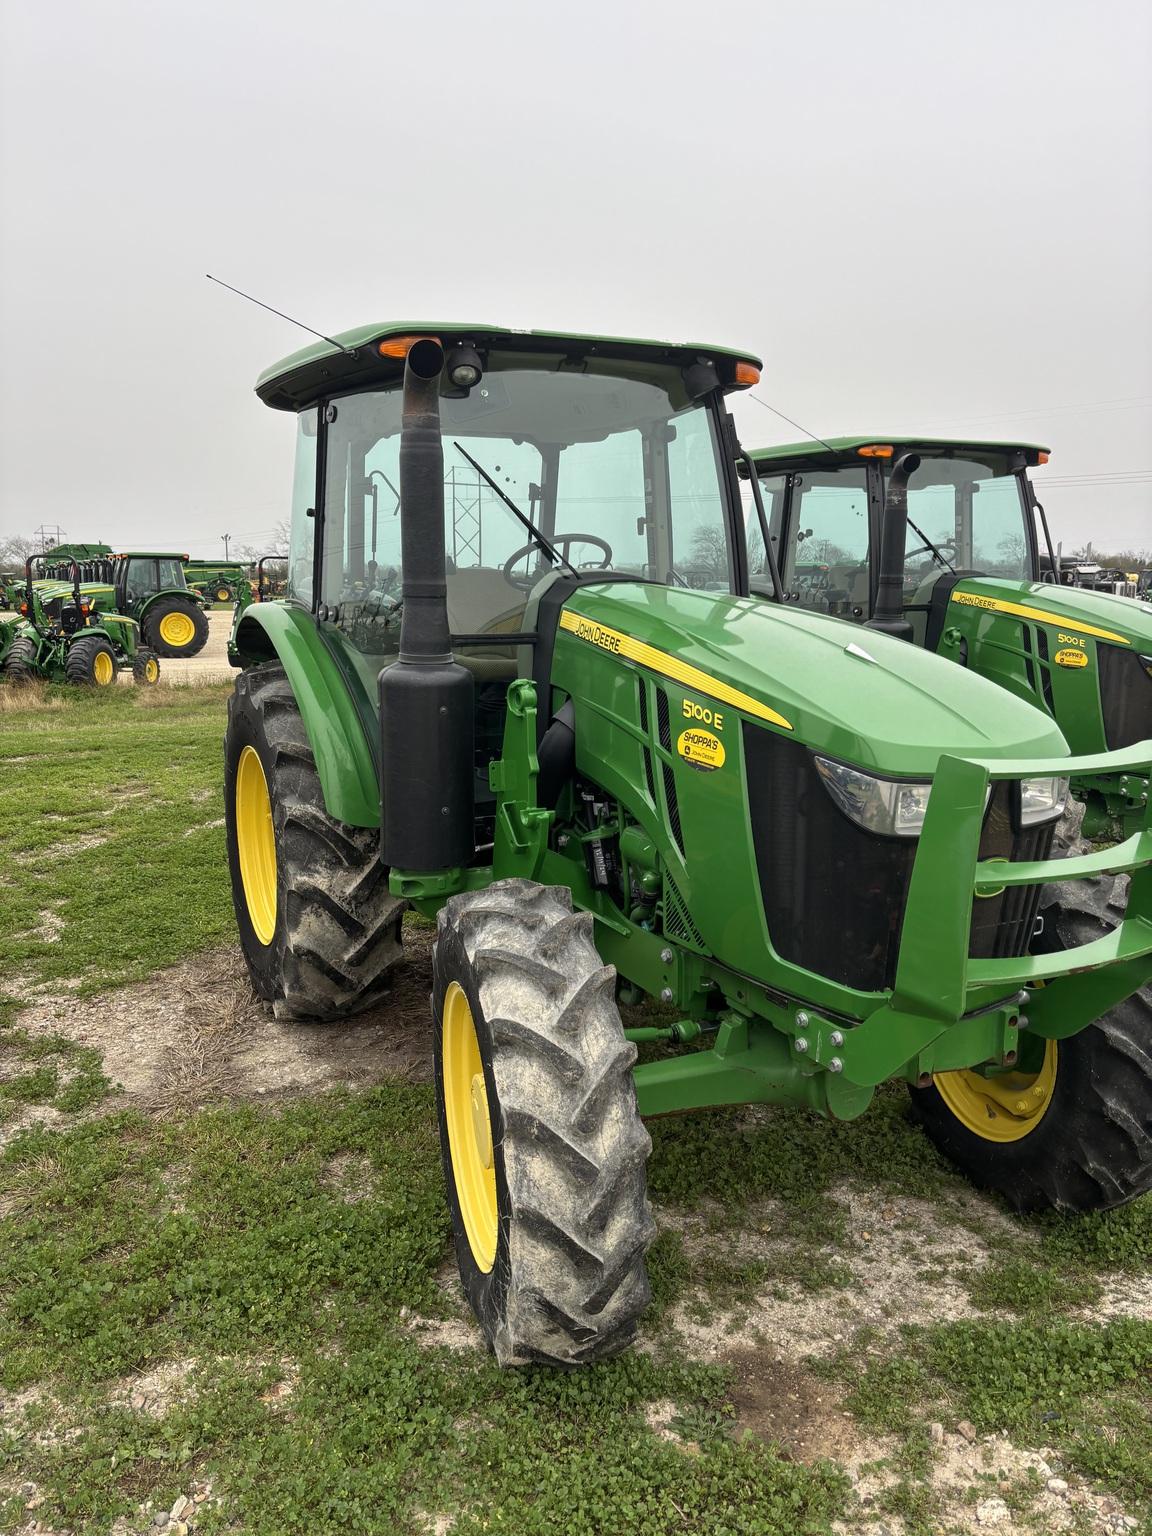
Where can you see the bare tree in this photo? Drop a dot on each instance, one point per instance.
(16, 548)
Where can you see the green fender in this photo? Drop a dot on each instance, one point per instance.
(275, 631)
(150, 602)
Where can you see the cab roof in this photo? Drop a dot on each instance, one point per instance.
(149, 554)
(846, 450)
(351, 359)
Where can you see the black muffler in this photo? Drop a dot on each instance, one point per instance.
(426, 698)
(888, 614)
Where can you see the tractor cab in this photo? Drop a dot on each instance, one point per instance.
(970, 512)
(566, 461)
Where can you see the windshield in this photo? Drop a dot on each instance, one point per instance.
(614, 472)
(967, 514)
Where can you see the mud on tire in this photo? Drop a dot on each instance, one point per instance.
(337, 929)
(568, 1283)
(20, 662)
(82, 660)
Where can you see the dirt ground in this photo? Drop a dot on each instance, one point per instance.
(195, 1034)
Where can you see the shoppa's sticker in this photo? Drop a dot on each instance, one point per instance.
(1071, 659)
(700, 749)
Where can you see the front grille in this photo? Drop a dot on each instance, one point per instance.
(834, 894)
(1125, 696)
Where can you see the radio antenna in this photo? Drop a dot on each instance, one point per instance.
(331, 340)
(792, 423)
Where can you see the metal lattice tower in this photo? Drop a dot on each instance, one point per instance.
(465, 488)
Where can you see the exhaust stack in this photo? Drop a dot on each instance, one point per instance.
(888, 614)
(426, 703)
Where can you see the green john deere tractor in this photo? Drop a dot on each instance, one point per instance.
(63, 638)
(219, 581)
(150, 586)
(513, 701)
(949, 538)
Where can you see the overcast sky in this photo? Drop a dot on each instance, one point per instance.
(920, 215)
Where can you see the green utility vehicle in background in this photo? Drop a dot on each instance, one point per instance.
(220, 581)
(966, 581)
(516, 704)
(63, 638)
(147, 586)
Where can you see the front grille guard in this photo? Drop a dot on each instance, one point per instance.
(936, 977)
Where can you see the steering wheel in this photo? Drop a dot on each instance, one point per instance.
(562, 542)
(944, 547)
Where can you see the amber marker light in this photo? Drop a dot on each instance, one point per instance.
(398, 346)
(747, 374)
(876, 451)
(1043, 456)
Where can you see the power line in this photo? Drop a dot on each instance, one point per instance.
(1120, 403)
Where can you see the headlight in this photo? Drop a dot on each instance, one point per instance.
(891, 807)
(1042, 800)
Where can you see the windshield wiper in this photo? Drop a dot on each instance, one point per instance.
(549, 549)
(928, 544)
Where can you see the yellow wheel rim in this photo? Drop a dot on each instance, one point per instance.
(223, 595)
(256, 844)
(151, 669)
(103, 669)
(177, 629)
(1006, 1107)
(469, 1128)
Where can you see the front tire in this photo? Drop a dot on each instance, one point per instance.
(90, 663)
(176, 627)
(319, 928)
(145, 668)
(544, 1152)
(1087, 1146)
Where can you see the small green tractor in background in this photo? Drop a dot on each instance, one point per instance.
(62, 637)
(540, 700)
(149, 587)
(220, 581)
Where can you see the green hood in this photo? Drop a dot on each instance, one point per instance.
(1123, 618)
(852, 693)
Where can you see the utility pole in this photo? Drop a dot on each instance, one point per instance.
(225, 537)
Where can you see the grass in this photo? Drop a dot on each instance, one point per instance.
(283, 1257)
(260, 1260)
(112, 863)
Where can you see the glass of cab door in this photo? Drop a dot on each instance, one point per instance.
(603, 467)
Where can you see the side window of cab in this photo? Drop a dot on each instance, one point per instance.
(826, 565)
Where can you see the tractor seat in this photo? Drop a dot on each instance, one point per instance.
(848, 584)
(481, 602)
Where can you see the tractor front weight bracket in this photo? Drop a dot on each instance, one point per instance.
(751, 1063)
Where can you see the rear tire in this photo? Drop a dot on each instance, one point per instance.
(330, 925)
(20, 662)
(554, 1264)
(185, 623)
(145, 668)
(90, 662)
